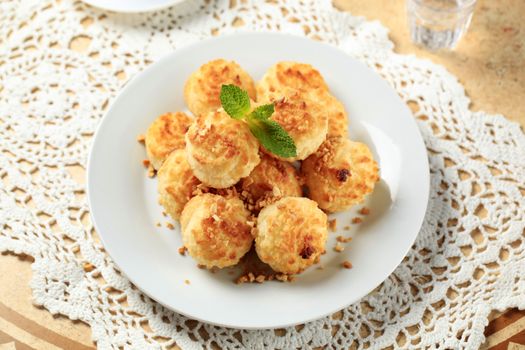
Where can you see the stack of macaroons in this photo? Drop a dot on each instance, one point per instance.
(228, 191)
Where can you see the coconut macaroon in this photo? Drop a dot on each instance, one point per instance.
(164, 135)
(336, 114)
(285, 75)
(203, 87)
(271, 180)
(340, 174)
(216, 230)
(176, 183)
(220, 149)
(291, 234)
(303, 118)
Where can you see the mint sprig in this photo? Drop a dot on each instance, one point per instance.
(235, 101)
(270, 134)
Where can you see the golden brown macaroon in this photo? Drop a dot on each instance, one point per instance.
(291, 234)
(271, 180)
(340, 174)
(304, 119)
(220, 149)
(336, 114)
(215, 230)
(203, 87)
(176, 183)
(285, 75)
(164, 135)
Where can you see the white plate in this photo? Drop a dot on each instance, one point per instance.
(132, 6)
(124, 201)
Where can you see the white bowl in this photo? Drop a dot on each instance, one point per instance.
(124, 200)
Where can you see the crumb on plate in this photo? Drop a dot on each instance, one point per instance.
(332, 225)
(364, 211)
(347, 264)
(187, 281)
(357, 220)
(346, 227)
(151, 171)
(339, 248)
(170, 225)
(146, 163)
(343, 239)
(182, 250)
(141, 138)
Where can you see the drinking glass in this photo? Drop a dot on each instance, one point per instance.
(437, 24)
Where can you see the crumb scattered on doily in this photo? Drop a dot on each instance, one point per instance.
(339, 248)
(332, 225)
(170, 225)
(343, 239)
(182, 250)
(347, 264)
(187, 281)
(364, 211)
(141, 138)
(357, 220)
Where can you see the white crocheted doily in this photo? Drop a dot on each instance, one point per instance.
(468, 259)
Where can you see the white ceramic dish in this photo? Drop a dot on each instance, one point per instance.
(124, 200)
(132, 6)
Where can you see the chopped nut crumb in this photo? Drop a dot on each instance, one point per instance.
(202, 267)
(141, 138)
(357, 220)
(364, 211)
(170, 225)
(347, 264)
(151, 171)
(146, 163)
(158, 224)
(346, 228)
(182, 250)
(332, 225)
(339, 248)
(260, 278)
(343, 239)
(187, 281)
(164, 213)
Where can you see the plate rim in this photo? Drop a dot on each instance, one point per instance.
(137, 76)
(105, 7)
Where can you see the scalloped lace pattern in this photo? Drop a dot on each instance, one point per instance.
(469, 257)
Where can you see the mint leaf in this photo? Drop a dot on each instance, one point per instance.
(273, 137)
(235, 101)
(262, 112)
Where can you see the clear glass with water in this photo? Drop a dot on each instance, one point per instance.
(438, 24)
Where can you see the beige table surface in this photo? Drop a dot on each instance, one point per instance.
(489, 62)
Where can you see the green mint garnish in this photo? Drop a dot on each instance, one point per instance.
(270, 134)
(262, 112)
(235, 101)
(273, 137)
